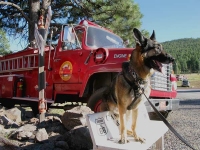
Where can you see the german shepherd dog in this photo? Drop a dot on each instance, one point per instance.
(125, 96)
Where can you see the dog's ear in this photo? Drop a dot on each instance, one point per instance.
(139, 38)
(153, 36)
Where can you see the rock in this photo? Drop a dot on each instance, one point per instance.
(11, 125)
(1, 128)
(2, 110)
(5, 120)
(52, 124)
(56, 118)
(51, 134)
(8, 123)
(14, 114)
(62, 145)
(34, 120)
(24, 132)
(58, 148)
(78, 139)
(27, 127)
(41, 135)
(5, 144)
(24, 135)
(47, 146)
(75, 117)
(38, 146)
(29, 114)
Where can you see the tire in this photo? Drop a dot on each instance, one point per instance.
(95, 99)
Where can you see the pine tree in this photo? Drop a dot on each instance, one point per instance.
(19, 17)
(4, 44)
(120, 17)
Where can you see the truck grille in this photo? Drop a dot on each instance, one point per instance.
(161, 81)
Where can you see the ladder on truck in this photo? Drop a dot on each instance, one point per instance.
(21, 63)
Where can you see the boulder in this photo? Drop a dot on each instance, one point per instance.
(41, 135)
(5, 120)
(77, 139)
(75, 117)
(62, 145)
(24, 132)
(2, 110)
(14, 114)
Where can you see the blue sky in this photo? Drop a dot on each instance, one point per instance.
(171, 19)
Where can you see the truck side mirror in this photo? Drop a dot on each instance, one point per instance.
(68, 35)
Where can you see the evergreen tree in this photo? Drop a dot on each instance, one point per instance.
(4, 44)
(186, 52)
(120, 17)
(19, 17)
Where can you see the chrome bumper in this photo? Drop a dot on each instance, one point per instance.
(163, 104)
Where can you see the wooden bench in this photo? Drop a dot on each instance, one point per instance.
(104, 131)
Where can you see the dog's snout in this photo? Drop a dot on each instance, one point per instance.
(170, 58)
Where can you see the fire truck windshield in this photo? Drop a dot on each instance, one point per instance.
(97, 37)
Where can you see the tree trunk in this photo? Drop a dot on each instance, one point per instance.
(46, 4)
(34, 15)
(34, 6)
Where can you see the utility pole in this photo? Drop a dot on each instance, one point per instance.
(41, 32)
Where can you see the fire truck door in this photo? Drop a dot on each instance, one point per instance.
(67, 66)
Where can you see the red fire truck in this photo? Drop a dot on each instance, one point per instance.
(79, 65)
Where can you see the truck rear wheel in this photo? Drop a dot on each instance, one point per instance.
(95, 99)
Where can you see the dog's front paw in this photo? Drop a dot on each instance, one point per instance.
(139, 139)
(123, 141)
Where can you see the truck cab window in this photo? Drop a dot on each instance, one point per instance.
(97, 37)
(79, 39)
(72, 38)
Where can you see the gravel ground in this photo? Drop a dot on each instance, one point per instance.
(186, 120)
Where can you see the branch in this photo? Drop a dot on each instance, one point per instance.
(57, 6)
(16, 6)
(85, 11)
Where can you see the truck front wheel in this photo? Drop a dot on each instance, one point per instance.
(95, 99)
